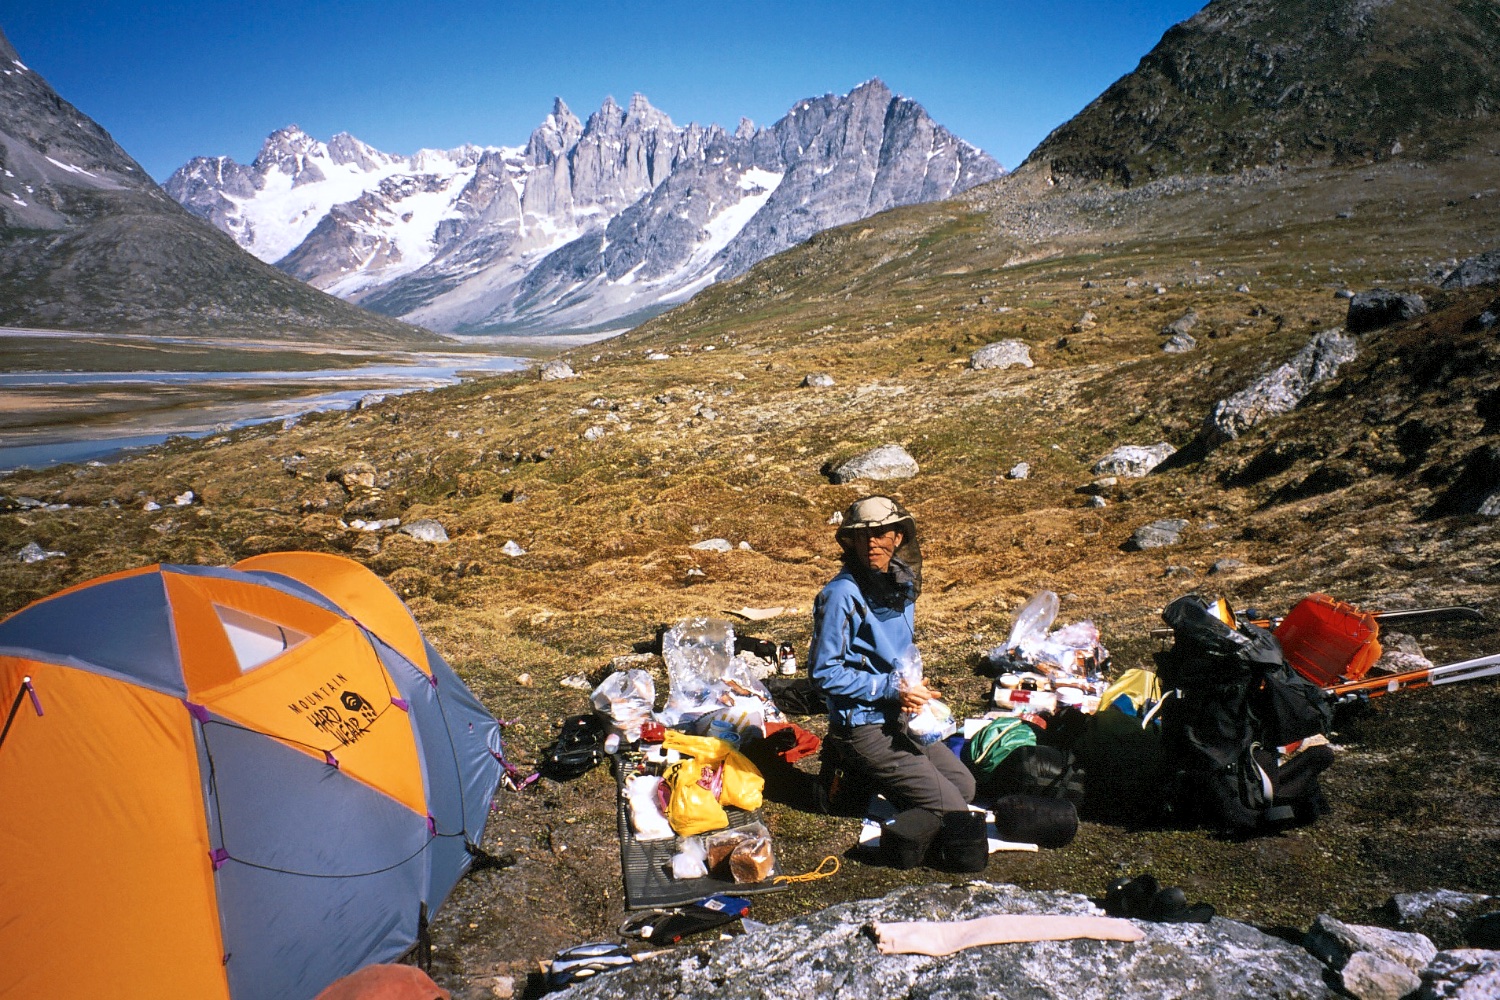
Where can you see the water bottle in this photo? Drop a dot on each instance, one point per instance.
(786, 660)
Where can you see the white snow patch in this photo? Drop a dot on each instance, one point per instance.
(70, 168)
(756, 177)
(17, 200)
(21, 65)
(281, 216)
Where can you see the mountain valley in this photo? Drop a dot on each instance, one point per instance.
(1145, 286)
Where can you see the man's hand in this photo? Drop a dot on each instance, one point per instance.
(913, 698)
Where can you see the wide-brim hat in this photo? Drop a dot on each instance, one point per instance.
(882, 512)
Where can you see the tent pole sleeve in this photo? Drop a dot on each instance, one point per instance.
(15, 706)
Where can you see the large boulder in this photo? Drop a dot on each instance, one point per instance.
(1133, 460)
(1157, 534)
(1381, 307)
(1336, 942)
(1463, 974)
(889, 461)
(831, 954)
(1001, 355)
(1182, 325)
(1445, 916)
(1280, 390)
(1481, 269)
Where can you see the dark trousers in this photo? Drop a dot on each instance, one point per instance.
(910, 775)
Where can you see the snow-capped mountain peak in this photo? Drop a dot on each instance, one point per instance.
(588, 222)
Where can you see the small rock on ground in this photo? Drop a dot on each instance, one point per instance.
(425, 530)
(1157, 534)
(1133, 460)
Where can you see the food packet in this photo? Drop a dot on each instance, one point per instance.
(934, 721)
(721, 845)
(752, 860)
(688, 861)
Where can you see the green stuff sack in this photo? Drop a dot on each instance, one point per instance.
(991, 745)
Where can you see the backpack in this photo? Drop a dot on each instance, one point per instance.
(1229, 700)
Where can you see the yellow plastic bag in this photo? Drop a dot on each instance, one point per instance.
(1141, 686)
(743, 787)
(692, 808)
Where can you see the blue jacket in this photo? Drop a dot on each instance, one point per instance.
(857, 637)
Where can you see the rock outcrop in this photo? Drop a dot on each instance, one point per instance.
(1381, 307)
(1279, 391)
(831, 953)
(1481, 269)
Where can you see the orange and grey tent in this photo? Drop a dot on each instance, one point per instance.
(233, 783)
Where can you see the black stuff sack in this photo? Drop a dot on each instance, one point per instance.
(1035, 819)
(963, 843)
(1050, 772)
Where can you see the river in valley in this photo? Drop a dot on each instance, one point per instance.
(77, 412)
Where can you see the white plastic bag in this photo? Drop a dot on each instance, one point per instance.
(1032, 622)
(646, 817)
(627, 698)
(932, 723)
(688, 862)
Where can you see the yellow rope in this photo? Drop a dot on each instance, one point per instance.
(815, 874)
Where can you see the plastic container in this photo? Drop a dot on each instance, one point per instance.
(1328, 641)
(1030, 701)
(786, 660)
(723, 729)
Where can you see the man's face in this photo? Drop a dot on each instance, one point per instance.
(875, 546)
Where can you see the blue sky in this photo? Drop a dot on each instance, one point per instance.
(171, 80)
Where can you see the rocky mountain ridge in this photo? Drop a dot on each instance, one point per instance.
(590, 222)
(1253, 82)
(88, 241)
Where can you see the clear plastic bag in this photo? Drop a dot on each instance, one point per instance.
(722, 844)
(627, 698)
(1073, 650)
(698, 653)
(752, 860)
(1032, 622)
(688, 861)
(934, 721)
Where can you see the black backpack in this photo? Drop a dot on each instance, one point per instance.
(1229, 699)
